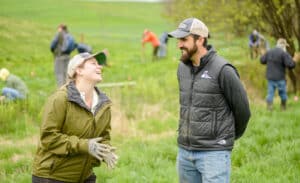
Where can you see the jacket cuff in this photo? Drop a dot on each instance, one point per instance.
(83, 146)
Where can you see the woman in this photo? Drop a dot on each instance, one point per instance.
(75, 131)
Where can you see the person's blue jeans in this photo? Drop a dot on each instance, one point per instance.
(11, 94)
(281, 86)
(203, 166)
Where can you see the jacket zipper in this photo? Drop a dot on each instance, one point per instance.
(104, 106)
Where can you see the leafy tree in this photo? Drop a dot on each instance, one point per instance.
(283, 17)
(280, 18)
(224, 15)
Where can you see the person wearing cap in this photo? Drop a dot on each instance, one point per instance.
(61, 46)
(15, 88)
(214, 108)
(277, 60)
(75, 129)
(150, 37)
(257, 44)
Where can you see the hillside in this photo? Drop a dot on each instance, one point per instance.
(145, 116)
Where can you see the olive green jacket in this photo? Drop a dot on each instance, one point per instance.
(67, 125)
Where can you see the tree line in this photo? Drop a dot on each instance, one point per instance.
(277, 18)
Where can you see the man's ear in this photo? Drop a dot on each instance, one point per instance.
(200, 41)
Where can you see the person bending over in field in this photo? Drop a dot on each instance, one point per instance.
(150, 37)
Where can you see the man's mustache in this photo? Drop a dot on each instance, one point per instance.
(183, 48)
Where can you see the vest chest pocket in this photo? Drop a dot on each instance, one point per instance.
(206, 85)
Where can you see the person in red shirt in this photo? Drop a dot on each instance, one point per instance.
(150, 37)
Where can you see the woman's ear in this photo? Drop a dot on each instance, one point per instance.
(78, 71)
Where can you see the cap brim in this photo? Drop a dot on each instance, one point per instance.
(178, 34)
(100, 57)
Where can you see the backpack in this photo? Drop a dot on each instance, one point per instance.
(68, 44)
(81, 48)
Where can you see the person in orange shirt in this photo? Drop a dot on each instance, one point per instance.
(150, 37)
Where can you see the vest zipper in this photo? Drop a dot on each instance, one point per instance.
(191, 99)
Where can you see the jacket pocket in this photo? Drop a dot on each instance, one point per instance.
(95, 162)
(56, 162)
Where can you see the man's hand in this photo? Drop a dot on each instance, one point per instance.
(296, 57)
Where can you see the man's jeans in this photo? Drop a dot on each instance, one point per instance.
(203, 166)
(272, 85)
(12, 94)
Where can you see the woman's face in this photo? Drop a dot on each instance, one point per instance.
(91, 71)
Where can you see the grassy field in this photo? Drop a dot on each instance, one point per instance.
(145, 115)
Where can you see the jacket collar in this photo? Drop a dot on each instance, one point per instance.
(203, 60)
(74, 96)
(210, 53)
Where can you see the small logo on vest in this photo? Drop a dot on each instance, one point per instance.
(222, 142)
(205, 75)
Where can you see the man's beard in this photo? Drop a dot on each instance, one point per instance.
(186, 57)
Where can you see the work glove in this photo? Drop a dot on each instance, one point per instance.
(111, 158)
(97, 149)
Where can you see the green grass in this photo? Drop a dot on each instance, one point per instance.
(145, 115)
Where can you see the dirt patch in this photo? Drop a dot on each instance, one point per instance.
(30, 140)
(160, 136)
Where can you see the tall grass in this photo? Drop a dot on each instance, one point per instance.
(145, 115)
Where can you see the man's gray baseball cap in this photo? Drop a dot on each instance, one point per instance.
(190, 26)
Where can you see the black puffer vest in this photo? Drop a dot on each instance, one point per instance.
(206, 121)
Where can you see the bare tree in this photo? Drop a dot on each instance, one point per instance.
(283, 17)
(296, 22)
(280, 15)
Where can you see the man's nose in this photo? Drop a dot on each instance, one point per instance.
(179, 44)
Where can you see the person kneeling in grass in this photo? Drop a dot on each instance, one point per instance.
(15, 88)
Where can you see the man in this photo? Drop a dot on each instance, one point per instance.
(163, 47)
(61, 46)
(277, 60)
(14, 89)
(150, 37)
(257, 44)
(214, 109)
